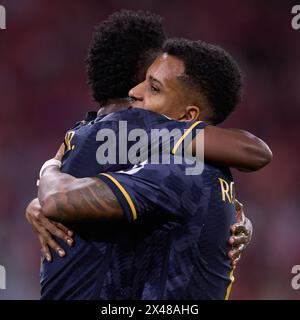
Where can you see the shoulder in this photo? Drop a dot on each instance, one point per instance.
(137, 115)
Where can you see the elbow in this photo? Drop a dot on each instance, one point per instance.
(260, 154)
(264, 155)
(261, 161)
(267, 157)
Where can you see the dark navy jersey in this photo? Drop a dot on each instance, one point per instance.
(182, 228)
(83, 141)
(173, 244)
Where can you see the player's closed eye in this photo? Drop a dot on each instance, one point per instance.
(154, 89)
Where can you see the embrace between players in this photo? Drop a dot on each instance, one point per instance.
(147, 231)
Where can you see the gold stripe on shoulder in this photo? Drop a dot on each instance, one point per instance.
(178, 143)
(125, 194)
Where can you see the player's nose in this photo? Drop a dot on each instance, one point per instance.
(136, 93)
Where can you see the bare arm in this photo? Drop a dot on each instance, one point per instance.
(234, 148)
(65, 198)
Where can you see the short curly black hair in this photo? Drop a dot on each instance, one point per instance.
(212, 71)
(120, 52)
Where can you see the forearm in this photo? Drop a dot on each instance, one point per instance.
(234, 148)
(65, 198)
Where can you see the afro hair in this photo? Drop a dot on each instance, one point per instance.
(119, 50)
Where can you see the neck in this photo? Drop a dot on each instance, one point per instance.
(114, 105)
(205, 119)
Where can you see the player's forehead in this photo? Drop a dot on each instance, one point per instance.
(166, 67)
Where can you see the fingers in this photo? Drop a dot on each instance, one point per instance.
(46, 228)
(54, 230)
(235, 254)
(239, 244)
(240, 215)
(47, 241)
(54, 245)
(238, 240)
(241, 234)
(66, 230)
(239, 228)
(45, 248)
(235, 262)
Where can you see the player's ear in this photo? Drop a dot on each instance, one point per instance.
(190, 113)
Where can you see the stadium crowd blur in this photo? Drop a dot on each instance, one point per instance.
(43, 91)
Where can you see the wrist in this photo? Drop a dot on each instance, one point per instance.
(52, 163)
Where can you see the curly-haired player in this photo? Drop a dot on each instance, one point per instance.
(122, 49)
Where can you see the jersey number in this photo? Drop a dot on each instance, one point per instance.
(68, 140)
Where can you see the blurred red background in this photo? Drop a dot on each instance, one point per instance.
(43, 91)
